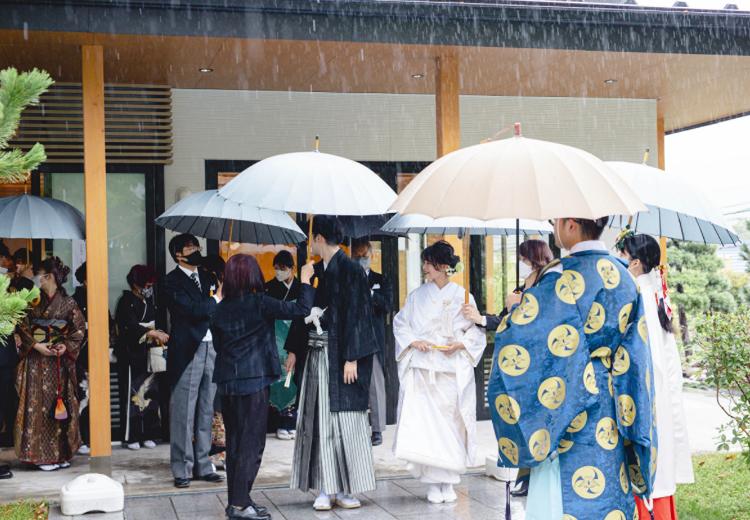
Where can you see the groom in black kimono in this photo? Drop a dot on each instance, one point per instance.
(333, 452)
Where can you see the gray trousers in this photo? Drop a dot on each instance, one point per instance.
(191, 410)
(377, 397)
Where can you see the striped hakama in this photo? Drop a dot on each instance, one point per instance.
(332, 451)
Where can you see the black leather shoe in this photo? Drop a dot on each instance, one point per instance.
(262, 510)
(5, 472)
(377, 438)
(182, 482)
(522, 490)
(211, 477)
(248, 513)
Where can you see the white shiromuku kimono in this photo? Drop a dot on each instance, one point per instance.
(674, 464)
(436, 430)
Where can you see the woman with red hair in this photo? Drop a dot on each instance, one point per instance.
(247, 363)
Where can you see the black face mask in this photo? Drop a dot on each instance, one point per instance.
(194, 258)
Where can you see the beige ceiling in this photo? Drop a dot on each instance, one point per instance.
(692, 89)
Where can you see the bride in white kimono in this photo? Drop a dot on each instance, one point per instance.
(674, 464)
(437, 350)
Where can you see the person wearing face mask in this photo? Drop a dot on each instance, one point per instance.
(139, 393)
(674, 464)
(382, 303)
(571, 389)
(191, 296)
(437, 350)
(332, 451)
(282, 411)
(47, 424)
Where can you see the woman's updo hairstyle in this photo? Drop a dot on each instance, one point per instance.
(440, 253)
(644, 248)
(54, 266)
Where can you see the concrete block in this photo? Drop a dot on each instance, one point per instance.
(91, 492)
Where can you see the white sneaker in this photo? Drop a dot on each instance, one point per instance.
(347, 501)
(48, 467)
(64, 465)
(435, 494)
(449, 494)
(293, 434)
(149, 444)
(283, 435)
(135, 446)
(84, 450)
(322, 503)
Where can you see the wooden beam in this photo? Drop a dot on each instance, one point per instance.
(95, 199)
(662, 165)
(447, 105)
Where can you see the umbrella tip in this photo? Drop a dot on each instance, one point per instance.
(517, 129)
(317, 143)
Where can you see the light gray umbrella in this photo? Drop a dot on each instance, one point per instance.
(29, 216)
(423, 224)
(207, 214)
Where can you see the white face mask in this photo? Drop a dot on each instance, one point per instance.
(365, 262)
(38, 280)
(524, 271)
(3, 270)
(147, 292)
(282, 276)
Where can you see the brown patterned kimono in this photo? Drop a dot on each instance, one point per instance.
(39, 438)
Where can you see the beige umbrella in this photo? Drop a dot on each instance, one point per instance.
(518, 177)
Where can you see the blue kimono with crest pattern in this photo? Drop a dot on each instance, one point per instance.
(571, 377)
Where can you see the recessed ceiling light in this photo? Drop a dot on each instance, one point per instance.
(610, 81)
(205, 70)
(417, 76)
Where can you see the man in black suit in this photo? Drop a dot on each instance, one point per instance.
(190, 296)
(382, 300)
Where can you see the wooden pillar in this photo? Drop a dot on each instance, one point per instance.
(662, 165)
(448, 131)
(95, 199)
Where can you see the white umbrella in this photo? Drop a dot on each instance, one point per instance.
(311, 182)
(518, 178)
(675, 208)
(423, 224)
(207, 214)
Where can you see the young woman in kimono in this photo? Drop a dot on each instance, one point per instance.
(674, 464)
(570, 390)
(47, 430)
(437, 350)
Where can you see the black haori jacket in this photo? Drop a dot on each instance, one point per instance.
(344, 292)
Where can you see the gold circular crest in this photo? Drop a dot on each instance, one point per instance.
(507, 408)
(589, 379)
(636, 478)
(623, 316)
(626, 409)
(563, 340)
(570, 286)
(609, 273)
(607, 435)
(643, 329)
(605, 354)
(569, 517)
(503, 324)
(624, 484)
(564, 445)
(621, 363)
(611, 384)
(551, 393)
(648, 381)
(539, 444)
(578, 422)
(509, 449)
(615, 515)
(588, 482)
(596, 318)
(527, 310)
(514, 360)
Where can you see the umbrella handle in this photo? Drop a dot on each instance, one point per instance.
(310, 219)
(466, 267)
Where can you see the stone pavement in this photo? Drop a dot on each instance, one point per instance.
(480, 498)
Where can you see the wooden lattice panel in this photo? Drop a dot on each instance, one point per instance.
(138, 121)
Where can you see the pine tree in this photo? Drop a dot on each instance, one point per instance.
(17, 91)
